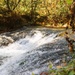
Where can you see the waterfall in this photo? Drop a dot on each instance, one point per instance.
(24, 53)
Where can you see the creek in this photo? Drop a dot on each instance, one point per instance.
(33, 53)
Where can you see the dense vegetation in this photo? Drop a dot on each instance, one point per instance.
(17, 13)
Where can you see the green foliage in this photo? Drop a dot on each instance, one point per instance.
(50, 65)
(67, 70)
(52, 12)
(72, 72)
(69, 1)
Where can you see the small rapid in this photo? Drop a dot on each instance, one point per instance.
(30, 42)
(30, 54)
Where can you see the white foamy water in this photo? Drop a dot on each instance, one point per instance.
(22, 46)
(27, 44)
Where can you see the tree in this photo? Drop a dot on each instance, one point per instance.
(12, 4)
(72, 10)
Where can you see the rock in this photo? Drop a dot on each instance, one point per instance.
(5, 40)
(0, 39)
(10, 37)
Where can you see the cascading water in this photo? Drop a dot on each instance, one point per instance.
(29, 54)
(28, 43)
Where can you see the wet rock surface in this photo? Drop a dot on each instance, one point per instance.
(36, 60)
(5, 40)
(39, 59)
(10, 37)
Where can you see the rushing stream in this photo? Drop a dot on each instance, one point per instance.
(32, 53)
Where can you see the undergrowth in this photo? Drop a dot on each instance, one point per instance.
(69, 69)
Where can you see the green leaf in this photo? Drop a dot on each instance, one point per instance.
(50, 65)
(69, 1)
(72, 73)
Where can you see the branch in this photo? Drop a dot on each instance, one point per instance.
(16, 4)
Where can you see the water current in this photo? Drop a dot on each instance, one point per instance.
(33, 53)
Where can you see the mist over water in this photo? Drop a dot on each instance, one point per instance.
(24, 55)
